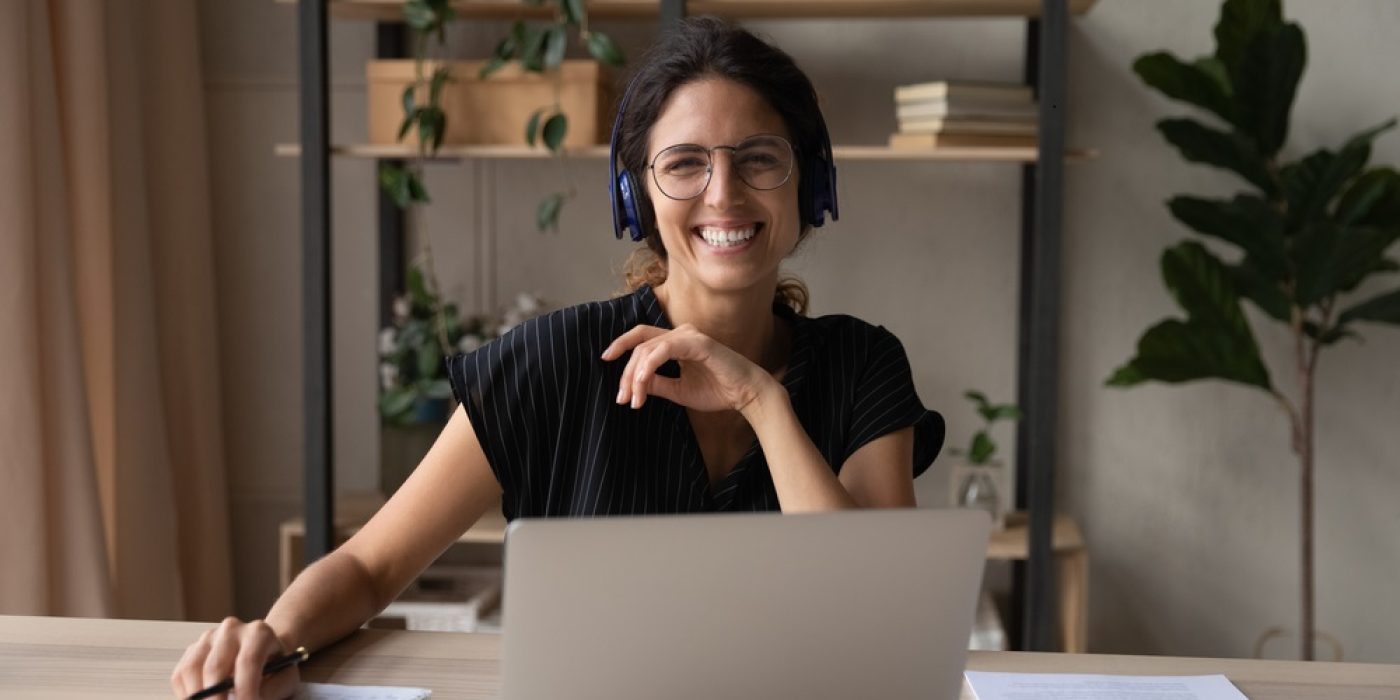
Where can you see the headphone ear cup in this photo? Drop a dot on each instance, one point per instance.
(822, 199)
(631, 217)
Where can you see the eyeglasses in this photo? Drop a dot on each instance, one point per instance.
(763, 162)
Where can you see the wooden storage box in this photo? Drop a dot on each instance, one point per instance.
(494, 110)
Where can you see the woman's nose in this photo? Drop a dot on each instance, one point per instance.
(726, 189)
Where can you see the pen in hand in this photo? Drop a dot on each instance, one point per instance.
(297, 656)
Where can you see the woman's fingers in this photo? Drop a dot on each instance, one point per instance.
(223, 649)
(185, 679)
(645, 370)
(257, 645)
(637, 335)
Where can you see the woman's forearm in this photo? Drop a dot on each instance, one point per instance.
(330, 599)
(801, 476)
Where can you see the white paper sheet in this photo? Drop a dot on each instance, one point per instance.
(1064, 686)
(330, 691)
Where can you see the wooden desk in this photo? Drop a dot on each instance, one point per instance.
(78, 658)
(1067, 544)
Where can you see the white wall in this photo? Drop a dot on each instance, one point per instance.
(1187, 495)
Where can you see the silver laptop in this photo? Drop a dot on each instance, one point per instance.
(866, 604)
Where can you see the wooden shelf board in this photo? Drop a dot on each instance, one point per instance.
(388, 10)
(843, 153)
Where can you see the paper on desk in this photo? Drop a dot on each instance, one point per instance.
(330, 691)
(1064, 686)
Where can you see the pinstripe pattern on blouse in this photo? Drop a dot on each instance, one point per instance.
(541, 402)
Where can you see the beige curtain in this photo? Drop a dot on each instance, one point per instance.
(112, 490)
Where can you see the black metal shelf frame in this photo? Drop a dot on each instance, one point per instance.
(1042, 192)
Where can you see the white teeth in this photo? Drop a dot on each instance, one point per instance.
(725, 238)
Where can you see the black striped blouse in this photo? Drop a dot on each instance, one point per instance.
(542, 404)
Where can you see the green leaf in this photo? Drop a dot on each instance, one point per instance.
(408, 121)
(1311, 184)
(1214, 342)
(408, 100)
(393, 180)
(547, 213)
(419, 15)
(1382, 309)
(439, 128)
(1266, 292)
(493, 65)
(1266, 81)
(1202, 287)
(1240, 22)
(429, 360)
(573, 11)
(1006, 412)
(416, 191)
(1126, 376)
(982, 448)
(441, 76)
(555, 128)
(395, 403)
(1216, 70)
(532, 49)
(532, 126)
(977, 398)
(556, 41)
(1372, 199)
(1250, 222)
(1332, 259)
(506, 47)
(1190, 83)
(1174, 351)
(1201, 144)
(418, 288)
(432, 127)
(438, 389)
(602, 47)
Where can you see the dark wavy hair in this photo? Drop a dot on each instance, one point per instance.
(706, 47)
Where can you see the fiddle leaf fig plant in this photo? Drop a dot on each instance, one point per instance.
(538, 48)
(1303, 235)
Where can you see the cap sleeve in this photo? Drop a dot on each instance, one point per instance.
(510, 389)
(885, 401)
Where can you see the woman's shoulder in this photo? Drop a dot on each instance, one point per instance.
(845, 333)
(578, 331)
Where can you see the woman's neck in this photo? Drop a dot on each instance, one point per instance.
(742, 320)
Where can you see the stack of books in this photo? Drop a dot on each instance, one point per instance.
(964, 114)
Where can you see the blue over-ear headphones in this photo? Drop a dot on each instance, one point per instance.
(818, 174)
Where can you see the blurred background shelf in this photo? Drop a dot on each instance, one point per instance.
(873, 153)
(392, 10)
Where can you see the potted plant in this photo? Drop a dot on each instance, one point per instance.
(1304, 235)
(415, 398)
(537, 47)
(979, 481)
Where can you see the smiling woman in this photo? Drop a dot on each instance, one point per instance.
(726, 168)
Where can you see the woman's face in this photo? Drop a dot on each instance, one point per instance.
(731, 236)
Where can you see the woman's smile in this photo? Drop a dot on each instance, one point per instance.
(728, 240)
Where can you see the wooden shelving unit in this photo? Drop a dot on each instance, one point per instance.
(843, 153)
(1041, 206)
(392, 10)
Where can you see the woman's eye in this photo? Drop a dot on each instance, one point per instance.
(684, 166)
(759, 160)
